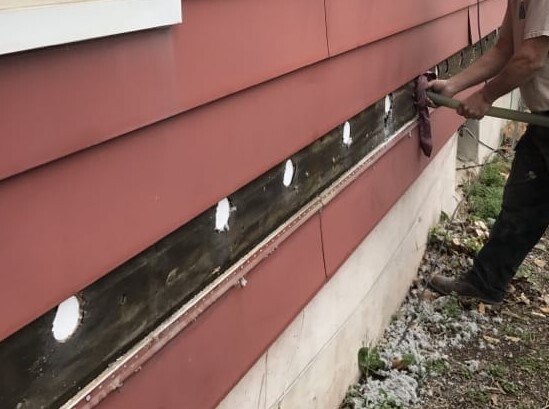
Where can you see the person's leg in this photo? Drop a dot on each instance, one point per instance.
(522, 221)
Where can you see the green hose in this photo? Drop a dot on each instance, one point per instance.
(533, 119)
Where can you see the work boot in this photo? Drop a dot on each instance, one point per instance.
(462, 287)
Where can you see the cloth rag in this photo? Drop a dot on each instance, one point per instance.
(424, 122)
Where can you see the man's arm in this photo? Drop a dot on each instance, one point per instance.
(530, 57)
(484, 68)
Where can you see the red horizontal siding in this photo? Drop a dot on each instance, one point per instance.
(353, 23)
(198, 368)
(66, 98)
(491, 17)
(239, 328)
(67, 224)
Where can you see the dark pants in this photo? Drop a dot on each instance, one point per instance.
(524, 216)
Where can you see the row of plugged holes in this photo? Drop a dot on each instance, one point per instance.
(224, 208)
(69, 314)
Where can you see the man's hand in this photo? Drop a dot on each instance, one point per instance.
(475, 106)
(442, 87)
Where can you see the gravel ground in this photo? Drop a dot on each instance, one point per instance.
(445, 352)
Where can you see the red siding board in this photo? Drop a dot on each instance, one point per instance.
(199, 367)
(67, 224)
(64, 99)
(352, 23)
(491, 17)
(226, 46)
(352, 215)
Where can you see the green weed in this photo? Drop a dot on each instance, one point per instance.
(486, 193)
(437, 367)
(369, 361)
(408, 360)
(531, 365)
(451, 308)
(438, 234)
(509, 387)
(467, 374)
(479, 396)
(497, 370)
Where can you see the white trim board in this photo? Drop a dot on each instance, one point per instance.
(27, 28)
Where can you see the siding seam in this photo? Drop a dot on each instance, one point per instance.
(326, 28)
(322, 243)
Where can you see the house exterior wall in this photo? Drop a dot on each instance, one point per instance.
(200, 383)
(119, 88)
(109, 145)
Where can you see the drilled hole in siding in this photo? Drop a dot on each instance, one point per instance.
(347, 139)
(67, 318)
(289, 172)
(388, 108)
(443, 69)
(222, 215)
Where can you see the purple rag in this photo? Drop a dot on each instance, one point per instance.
(424, 123)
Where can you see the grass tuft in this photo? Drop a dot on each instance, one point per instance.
(369, 361)
(486, 192)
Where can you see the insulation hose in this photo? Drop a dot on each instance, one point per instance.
(503, 113)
